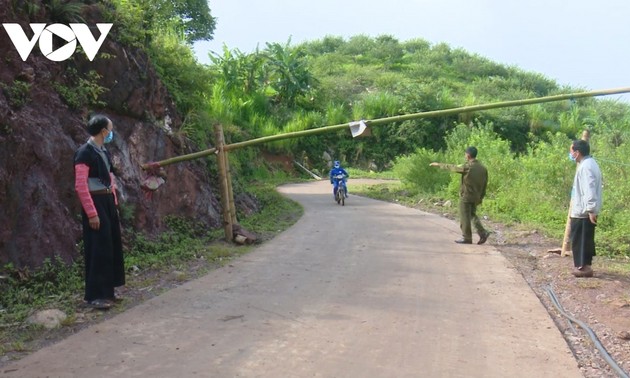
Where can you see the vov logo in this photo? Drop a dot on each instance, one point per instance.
(44, 34)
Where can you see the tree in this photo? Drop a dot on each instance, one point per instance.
(387, 51)
(197, 22)
(192, 17)
(288, 72)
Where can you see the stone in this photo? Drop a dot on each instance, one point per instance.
(48, 319)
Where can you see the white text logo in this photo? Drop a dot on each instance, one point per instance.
(44, 34)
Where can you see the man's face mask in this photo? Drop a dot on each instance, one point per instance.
(572, 156)
(109, 137)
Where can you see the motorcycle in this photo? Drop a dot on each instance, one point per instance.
(341, 190)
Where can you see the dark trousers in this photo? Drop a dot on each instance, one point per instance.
(104, 265)
(582, 241)
(468, 214)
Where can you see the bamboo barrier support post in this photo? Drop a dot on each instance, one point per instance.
(223, 182)
(230, 190)
(566, 241)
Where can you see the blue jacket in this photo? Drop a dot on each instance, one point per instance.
(335, 171)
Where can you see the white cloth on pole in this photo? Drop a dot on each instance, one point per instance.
(357, 128)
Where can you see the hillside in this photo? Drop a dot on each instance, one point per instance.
(41, 128)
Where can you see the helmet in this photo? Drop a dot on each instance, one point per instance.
(336, 164)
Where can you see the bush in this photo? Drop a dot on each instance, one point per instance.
(611, 149)
(17, 94)
(494, 153)
(78, 92)
(417, 176)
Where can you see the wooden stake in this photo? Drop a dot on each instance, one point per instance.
(230, 191)
(223, 182)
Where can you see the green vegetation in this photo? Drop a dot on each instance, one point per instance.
(23, 290)
(279, 215)
(27, 7)
(356, 173)
(62, 11)
(78, 90)
(17, 93)
(139, 21)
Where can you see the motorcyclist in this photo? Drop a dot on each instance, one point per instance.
(337, 170)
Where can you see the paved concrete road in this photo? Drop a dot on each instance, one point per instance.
(367, 290)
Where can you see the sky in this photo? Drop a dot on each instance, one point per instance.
(584, 44)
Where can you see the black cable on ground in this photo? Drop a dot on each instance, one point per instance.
(607, 357)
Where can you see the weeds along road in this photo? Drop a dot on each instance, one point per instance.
(370, 289)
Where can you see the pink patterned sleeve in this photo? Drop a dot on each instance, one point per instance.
(81, 172)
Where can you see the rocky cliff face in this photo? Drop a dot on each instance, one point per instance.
(39, 132)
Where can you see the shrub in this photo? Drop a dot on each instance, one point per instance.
(17, 94)
(65, 12)
(416, 174)
(78, 92)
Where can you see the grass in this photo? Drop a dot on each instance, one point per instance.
(396, 192)
(589, 284)
(359, 173)
(619, 266)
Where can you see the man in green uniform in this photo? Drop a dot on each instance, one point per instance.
(471, 193)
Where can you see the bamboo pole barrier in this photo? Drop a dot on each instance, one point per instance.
(383, 121)
(434, 113)
(181, 158)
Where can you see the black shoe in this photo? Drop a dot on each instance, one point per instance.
(483, 238)
(463, 241)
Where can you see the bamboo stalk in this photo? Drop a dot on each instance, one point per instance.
(223, 183)
(400, 118)
(230, 190)
(181, 158)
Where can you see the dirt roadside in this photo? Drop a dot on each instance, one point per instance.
(602, 302)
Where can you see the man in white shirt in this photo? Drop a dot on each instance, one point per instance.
(586, 200)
